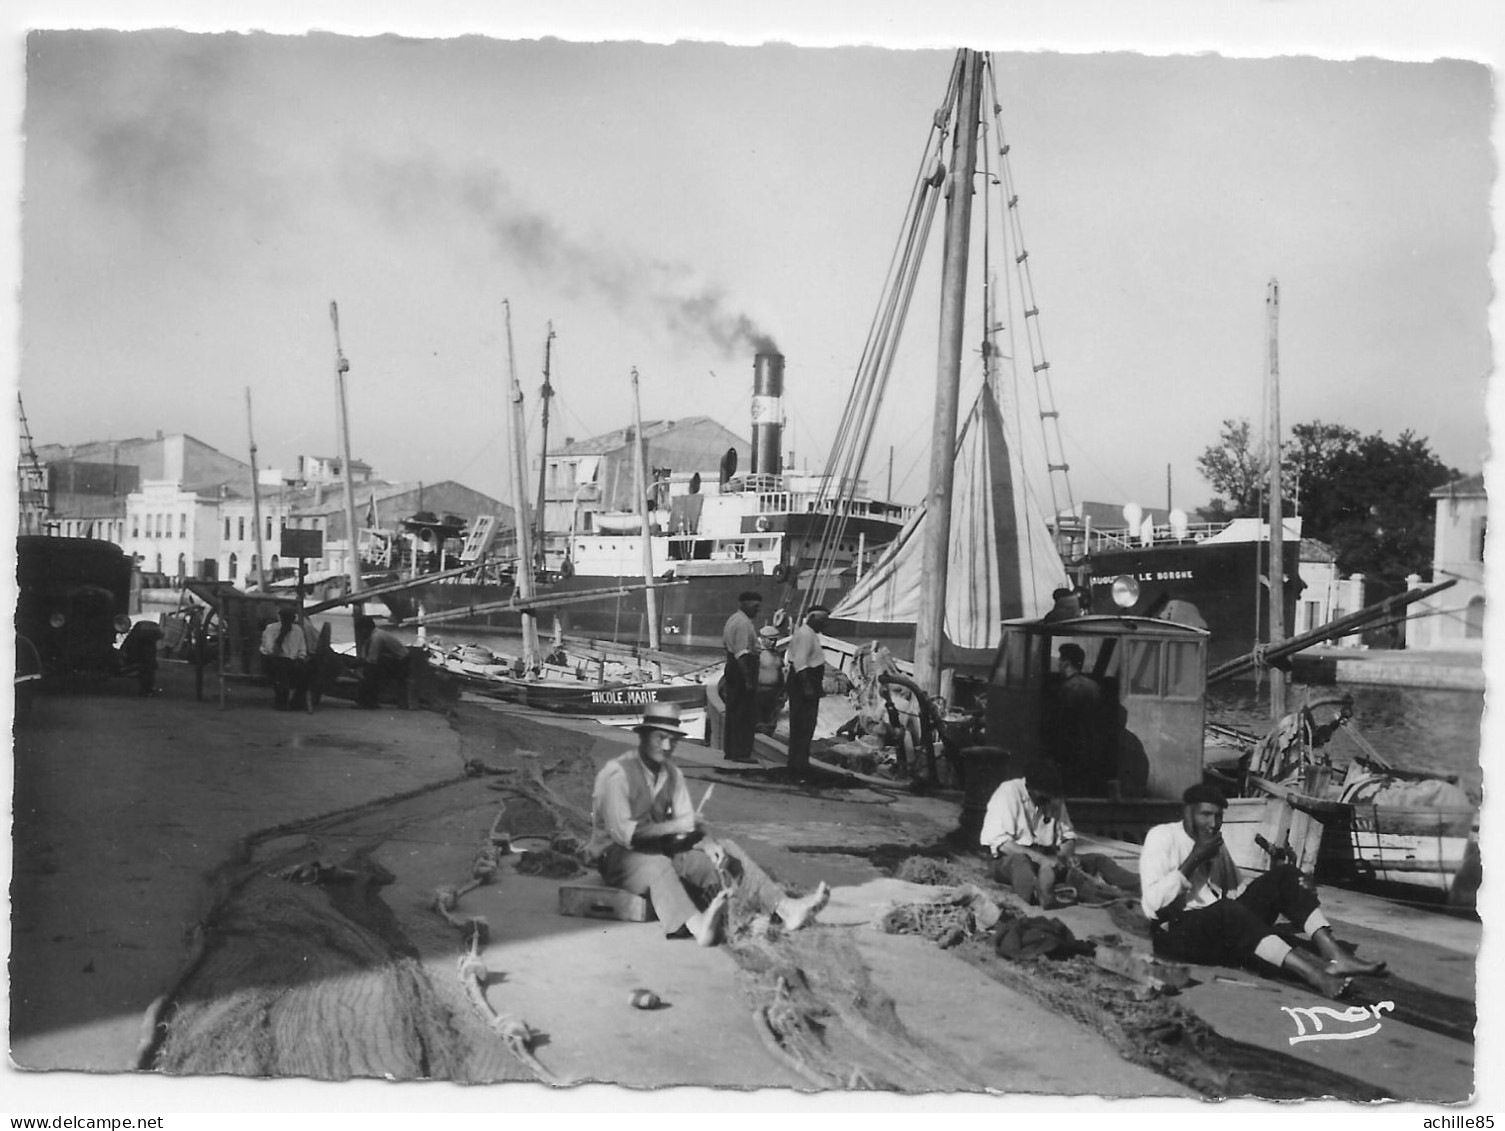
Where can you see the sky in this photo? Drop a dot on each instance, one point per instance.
(193, 202)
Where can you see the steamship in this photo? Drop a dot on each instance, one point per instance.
(714, 531)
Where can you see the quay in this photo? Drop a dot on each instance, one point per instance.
(1454, 670)
(159, 845)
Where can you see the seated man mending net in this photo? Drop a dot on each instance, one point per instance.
(1029, 835)
(647, 838)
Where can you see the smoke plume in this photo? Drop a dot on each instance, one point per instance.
(672, 294)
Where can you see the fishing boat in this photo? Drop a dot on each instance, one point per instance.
(578, 682)
(581, 682)
(964, 595)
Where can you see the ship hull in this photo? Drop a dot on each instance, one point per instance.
(1222, 580)
(691, 615)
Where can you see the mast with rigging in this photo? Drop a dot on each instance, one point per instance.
(261, 550)
(544, 394)
(931, 622)
(524, 582)
(342, 367)
(640, 463)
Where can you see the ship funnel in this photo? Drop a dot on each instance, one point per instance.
(767, 414)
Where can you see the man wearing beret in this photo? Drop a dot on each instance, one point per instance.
(1203, 911)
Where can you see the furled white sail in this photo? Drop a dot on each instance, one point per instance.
(1003, 561)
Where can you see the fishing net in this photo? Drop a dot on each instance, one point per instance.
(546, 862)
(1163, 1035)
(927, 870)
(306, 978)
(817, 1010)
(947, 923)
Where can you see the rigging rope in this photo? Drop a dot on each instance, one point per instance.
(1050, 419)
(875, 366)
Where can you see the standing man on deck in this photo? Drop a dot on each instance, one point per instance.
(807, 677)
(1079, 725)
(1202, 910)
(740, 682)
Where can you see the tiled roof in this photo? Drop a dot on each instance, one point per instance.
(1471, 486)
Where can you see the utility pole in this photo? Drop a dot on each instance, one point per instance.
(1277, 518)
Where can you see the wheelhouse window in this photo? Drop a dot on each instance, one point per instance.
(1183, 674)
(1142, 667)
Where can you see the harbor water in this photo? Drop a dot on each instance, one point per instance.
(1415, 728)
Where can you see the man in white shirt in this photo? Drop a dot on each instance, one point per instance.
(647, 838)
(740, 678)
(1203, 911)
(286, 658)
(807, 677)
(1033, 844)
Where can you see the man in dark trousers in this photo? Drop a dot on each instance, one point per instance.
(807, 677)
(1202, 910)
(740, 682)
(383, 659)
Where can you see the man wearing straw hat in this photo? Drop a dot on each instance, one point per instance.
(647, 838)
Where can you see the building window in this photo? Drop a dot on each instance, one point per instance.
(227, 528)
(182, 528)
(241, 529)
(269, 528)
(231, 570)
(159, 564)
(182, 566)
(135, 526)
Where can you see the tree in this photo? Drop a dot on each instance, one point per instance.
(1370, 499)
(1236, 470)
(1307, 459)
(1367, 497)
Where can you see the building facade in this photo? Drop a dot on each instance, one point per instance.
(1454, 618)
(183, 509)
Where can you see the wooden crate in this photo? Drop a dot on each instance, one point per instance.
(588, 902)
(1274, 819)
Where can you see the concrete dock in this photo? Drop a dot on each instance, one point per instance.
(131, 814)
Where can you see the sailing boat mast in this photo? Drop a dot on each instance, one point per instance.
(524, 584)
(932, 616)
(640, 462)
(342, 367)
(261, 552)
(1277, 520)
(543, 452)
